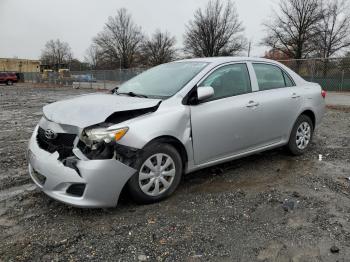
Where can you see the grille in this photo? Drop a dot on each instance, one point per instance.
(63, 143)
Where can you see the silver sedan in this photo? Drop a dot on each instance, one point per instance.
(168, 121)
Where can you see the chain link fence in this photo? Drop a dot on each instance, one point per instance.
(333, 74)
(98, 79)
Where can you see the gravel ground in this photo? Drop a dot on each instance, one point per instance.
(266, 207)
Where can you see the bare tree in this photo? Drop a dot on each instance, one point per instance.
(159, 49)
(292, 28)
(93, 56)
(56, 53)
(120, 39)
(215, 31)
(77, 65)
(333, 30)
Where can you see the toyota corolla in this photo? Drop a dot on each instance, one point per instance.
(168, 121)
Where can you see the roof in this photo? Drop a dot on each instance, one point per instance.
(225, 59)
(215, 61)
(4, 59)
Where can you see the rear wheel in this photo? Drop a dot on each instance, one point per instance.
(159, 171)
(9, 83)
(301, 135)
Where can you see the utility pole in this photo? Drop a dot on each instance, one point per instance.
(120, 71)
(249, 47)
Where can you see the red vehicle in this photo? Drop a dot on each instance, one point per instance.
(8, 78)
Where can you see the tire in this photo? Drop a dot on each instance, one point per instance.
(9, 83)
(297, 145)
(170, 160)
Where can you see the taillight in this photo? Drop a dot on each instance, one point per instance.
(323, 93)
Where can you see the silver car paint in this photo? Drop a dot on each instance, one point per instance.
(140, 139)
(108, 176)
(86, 110)
(216, 137)
(204, 130)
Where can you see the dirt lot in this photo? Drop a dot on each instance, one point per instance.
(267, 207)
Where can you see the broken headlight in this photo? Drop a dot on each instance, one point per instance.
(104, 134)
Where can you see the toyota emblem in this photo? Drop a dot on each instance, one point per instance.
(49, 134)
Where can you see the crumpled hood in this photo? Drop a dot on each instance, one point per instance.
(87, 110)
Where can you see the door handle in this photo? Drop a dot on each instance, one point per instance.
(295, 95)
(252, 104)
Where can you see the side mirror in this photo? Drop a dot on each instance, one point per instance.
(204, 92)
(114, 90)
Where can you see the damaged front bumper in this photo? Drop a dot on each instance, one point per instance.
(89, 183)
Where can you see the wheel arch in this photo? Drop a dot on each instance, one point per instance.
(310, 114)
(176, 143)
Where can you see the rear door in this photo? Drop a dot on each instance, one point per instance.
(228, 122)
(280, 102)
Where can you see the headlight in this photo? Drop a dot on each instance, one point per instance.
(103, 134)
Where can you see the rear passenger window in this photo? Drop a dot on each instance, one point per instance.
(287, 80)
(271, 77)
(230, 80)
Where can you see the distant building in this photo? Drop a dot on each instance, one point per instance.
(19, 65)
(54, 67)
(275, 54)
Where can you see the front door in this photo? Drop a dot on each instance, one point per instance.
(226, 123)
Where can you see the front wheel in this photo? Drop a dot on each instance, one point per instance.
(159, 170)
(301, 135)
(9, 83)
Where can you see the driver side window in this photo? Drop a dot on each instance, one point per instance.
(230, 80)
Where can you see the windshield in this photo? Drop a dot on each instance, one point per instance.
(162, 81)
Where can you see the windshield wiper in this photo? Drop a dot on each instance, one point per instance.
(132, 94)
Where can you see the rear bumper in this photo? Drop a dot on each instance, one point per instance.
(103, 179)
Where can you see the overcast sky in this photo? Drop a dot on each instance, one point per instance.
(26, 25)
